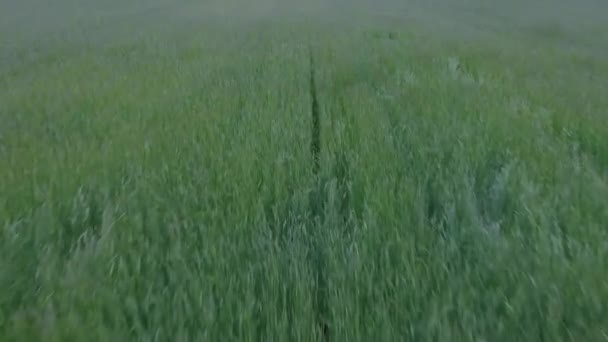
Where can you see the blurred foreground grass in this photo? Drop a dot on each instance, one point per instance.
(158, 186)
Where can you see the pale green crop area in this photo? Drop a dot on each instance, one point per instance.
(157, 178)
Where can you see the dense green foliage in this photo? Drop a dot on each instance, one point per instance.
(160, 186)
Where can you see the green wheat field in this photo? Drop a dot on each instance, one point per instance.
(317, 171)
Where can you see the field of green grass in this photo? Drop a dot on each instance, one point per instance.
(180, 171)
